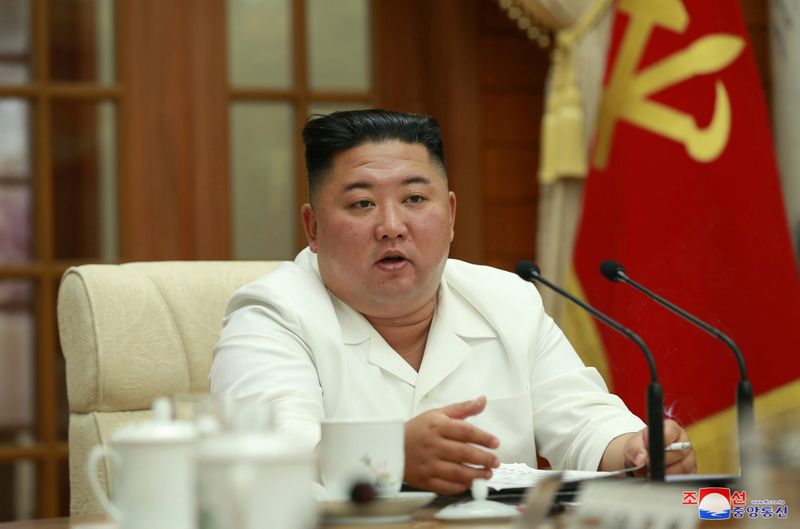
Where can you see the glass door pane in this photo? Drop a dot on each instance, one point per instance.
(18, 490)
(327, 108)
(338, 44)
(16, 54)
(263, 185)
(259, 43)
(16, 176)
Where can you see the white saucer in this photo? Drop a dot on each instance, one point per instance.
(393, 509)
(478, 510)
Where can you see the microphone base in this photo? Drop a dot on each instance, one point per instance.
(704, 480)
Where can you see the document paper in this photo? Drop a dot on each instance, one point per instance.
(521, 476)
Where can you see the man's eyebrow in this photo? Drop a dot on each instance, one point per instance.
(368, 185)
(357, 185)
(416, 180)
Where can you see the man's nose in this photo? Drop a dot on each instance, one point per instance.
(391, 224)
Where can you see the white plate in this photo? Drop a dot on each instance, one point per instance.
(394, 509)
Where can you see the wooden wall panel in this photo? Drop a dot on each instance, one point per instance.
(507, 173)
(455, 99)
(511, 222)
(173, 127)
(511, 116)
(500, 54)
(208, 74)
(468, 65)
(427, 61)
(513, 71)
(402, 61)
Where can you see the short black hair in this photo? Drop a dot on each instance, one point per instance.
(326, 135)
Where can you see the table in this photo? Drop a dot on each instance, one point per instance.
(423, 519)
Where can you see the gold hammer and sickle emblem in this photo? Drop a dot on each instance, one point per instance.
(626, 97)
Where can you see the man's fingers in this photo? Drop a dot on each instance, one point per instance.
(673, 432)
(444, 487)
(678, 455)
(462, 410)
(457, 474)
(639, 458)
(685, 465)
(467, 433)
(458, 452)
(635, 449)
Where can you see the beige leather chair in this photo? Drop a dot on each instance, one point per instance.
(132, 332)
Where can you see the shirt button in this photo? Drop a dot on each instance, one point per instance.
(426, 398)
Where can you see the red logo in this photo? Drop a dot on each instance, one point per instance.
(714, 503)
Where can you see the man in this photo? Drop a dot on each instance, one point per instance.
(373, 320)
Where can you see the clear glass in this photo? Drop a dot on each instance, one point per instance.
(18, 361)
(327, 108)
(15, 224)
(17, 489)
(16, 131)
(81, 34)
(16, 55)
(338, 44)
(259, 43)
(263, 185)
(85, 179)
(16, 178)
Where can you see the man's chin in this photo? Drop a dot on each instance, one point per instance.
(396, 295)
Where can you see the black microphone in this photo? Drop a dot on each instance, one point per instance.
(615, 272)
(655, 397)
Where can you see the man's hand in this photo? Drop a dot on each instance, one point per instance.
(439, 442)
(634, 451)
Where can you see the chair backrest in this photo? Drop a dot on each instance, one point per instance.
(132, 332)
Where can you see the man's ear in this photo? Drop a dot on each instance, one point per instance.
(309, 225)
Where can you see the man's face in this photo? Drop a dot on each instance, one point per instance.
(381, 227)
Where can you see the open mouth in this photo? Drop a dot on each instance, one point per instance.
(392, 259)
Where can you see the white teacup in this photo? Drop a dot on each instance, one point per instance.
(362, 450)
(152, 473)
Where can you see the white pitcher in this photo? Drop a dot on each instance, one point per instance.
(152, 473)
(250, 478)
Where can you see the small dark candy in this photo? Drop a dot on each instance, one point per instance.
(362, 493)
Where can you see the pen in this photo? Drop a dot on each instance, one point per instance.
(674, 447)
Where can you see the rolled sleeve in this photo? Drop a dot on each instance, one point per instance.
(574, 415)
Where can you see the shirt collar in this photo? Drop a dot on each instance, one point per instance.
(460, 315)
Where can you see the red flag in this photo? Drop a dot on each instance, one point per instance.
(684, 192)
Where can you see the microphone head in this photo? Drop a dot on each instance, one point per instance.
(526, 270)
(611, 270)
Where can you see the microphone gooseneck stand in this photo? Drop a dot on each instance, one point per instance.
(528, 271)
(615, 273)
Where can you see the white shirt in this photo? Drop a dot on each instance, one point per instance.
(287, 340)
